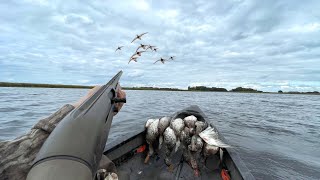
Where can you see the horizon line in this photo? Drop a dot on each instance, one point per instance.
(45, 85)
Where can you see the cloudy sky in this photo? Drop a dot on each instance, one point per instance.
(268, 45)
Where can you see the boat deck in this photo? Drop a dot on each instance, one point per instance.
(157, 169)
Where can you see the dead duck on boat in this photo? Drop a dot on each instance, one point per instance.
(151, 136)
(177, 125)
(170, 140)
(164, 122)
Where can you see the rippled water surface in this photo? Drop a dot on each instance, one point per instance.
(276, 135)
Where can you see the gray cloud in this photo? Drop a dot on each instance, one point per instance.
(263, 44)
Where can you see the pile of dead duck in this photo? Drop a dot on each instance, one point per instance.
(194, 137)
(185, 145)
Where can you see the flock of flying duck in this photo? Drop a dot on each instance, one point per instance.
(142, 48)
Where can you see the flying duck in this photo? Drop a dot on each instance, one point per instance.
(133, 59)
(172, 57)
(138, 36)
(138, 53)
(119, 48)
(161, 60)
(142, 46)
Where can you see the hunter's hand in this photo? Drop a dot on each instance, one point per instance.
(120, 94)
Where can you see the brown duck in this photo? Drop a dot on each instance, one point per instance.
(138, 53)
(138, 37)
(161, 60)
(133, 59)
(142, 46)
(151, 47)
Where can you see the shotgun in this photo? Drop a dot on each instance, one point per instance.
(74, 149)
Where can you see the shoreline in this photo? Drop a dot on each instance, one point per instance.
(35, 85)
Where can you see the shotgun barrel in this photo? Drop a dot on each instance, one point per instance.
(74, 149)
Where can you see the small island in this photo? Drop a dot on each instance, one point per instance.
(247, 90)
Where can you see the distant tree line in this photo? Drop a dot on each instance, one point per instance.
(204, 88)
(296, 92)
(7, 84)
(193, 88)
(238, 89)
(241, 89)
(152, 88)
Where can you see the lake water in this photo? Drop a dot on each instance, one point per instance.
(277, 135)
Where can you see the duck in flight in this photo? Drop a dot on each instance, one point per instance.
(138, 36)
(151, 47)
(119, 48)
(133, 59)
(155, 49)
(142, 46)
(161, 60)
(138, 53)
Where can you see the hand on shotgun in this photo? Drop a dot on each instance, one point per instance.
(120, 94)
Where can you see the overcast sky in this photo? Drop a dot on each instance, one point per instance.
(268, 45)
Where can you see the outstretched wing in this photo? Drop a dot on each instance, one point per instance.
(150, 47)
(139, 53)
(133, 59)
(143, 34)
(133, 55)
(156, 61)
(134, 39)
(138, 48)
(130, 60)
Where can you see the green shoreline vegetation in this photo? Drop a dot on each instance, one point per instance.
(35, 85)
(194, 88)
